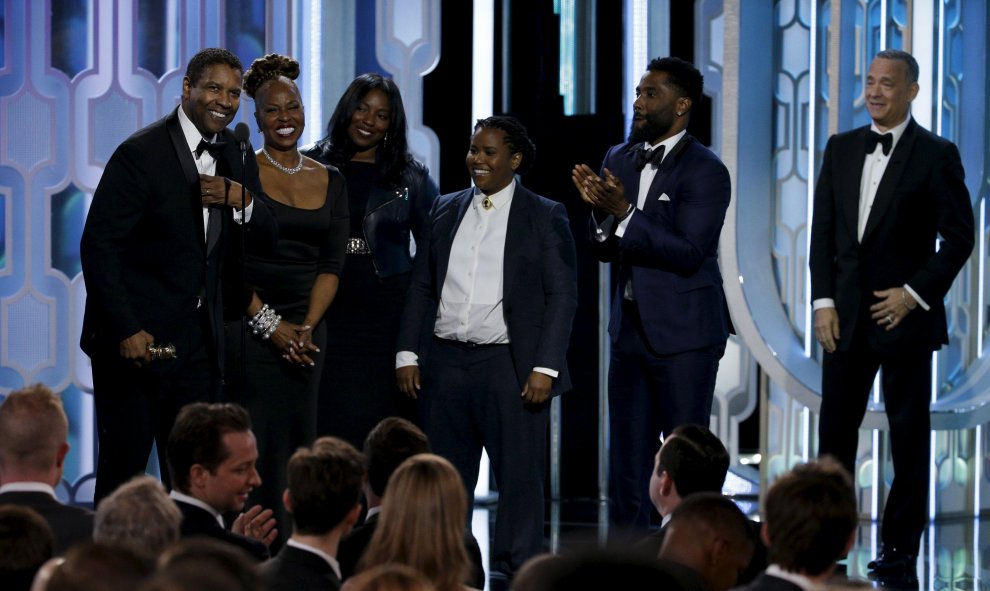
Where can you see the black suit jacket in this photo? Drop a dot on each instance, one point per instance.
(295, 569)
(539, 288)
(70, 524)
(199, 522)
(144, 252)
(921, 196)
(766, 582)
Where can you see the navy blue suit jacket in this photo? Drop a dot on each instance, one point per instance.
(539, 281)
(670, 247)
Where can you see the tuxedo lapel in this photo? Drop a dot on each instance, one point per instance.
(445, 228)
(189, 171)
(520, 214)
(851, 171)
(891, 175)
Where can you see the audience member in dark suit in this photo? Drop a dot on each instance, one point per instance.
(391, 442)
(212, 456)
(709, 535)
(603, 569)
(878, 280)
(205, 564)
(693, 460)
(152, 252)
(33, 446)
(658, 209)
(140, 516)
(324, 499)
(26, 542)
(810, 523)
(489, 310)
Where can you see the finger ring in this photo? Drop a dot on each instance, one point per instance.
(890, 319)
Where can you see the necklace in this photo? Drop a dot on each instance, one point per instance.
(284, 169)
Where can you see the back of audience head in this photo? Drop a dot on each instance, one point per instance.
(324, 486)
(388, 577)
(140, 516)
(227, 565)
(33, 432)
(97, 567)
(26, 542)
(708, 533)
(691, 460)
(390, 443)
(811, 517)
(600, 568)
(422, 522)
(204, 439)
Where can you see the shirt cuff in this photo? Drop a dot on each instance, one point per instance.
(545, 370)
(621, 229)
(822, 303)
(924, 305)
(406, 358)
(245, 216)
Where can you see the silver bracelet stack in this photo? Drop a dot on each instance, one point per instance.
(265, 322)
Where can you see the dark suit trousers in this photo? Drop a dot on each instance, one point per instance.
(471, 399)
(650, 394)
(847, 378)
(135, 406)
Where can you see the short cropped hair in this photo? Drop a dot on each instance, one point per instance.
(902, 56)
(324, 484)
(224, 561)
(516, 137)
(32, 427)
(810, 514)
(26, 542)
(390, 443)
(682, 75)
(714, 513)
(140, 516)
(197, 438)
(90, 566)
(208, 57)
(694, 459)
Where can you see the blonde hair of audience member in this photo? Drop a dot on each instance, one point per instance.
(33, 431)
(388, 577)
(422, 522)
(139, 516)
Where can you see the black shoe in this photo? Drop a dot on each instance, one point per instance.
(893, 562)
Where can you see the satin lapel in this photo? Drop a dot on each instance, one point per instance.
(666, 167)
(849, 164)
(189, 171)
(891, 175)
(445, 228)
(516, 232)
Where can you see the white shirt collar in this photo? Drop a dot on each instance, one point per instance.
(499, 200)
(307, 548)
(800, 580)
(668, 144)
(190, 131)
(372, 512)
(40, 487)
(896, 131)
(184, 498)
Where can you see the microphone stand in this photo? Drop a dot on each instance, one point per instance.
(242, 387)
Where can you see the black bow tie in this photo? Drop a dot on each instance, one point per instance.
(886, 140)
(652, 157)
(213, 148)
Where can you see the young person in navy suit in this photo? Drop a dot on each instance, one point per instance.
(658, 209)
(152, 251)
(487, 320)
(886, 192)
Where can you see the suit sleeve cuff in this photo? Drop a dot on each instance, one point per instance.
(544, 370)
(924, 305)
(822, 303)
(405, 358)
(621, 228)
(243, 217)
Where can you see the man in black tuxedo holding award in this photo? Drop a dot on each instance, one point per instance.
(158, 229)
(886, 193)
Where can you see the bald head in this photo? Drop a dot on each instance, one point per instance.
(33, 432)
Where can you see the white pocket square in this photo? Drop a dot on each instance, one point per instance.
(663, 197)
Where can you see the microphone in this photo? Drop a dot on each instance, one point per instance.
(242, 134)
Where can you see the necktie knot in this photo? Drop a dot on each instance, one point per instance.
(213, 148)
(886, 140)
(651, 157)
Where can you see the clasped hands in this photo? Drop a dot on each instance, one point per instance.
(894, 305)
(536, 390)
(219, 190)
(605, 194)
(296, 342)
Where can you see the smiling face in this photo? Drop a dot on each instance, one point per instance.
(227, 487)
(370, 122)
(212, 101)
(889, 92)
(490, 162)
(279, 112)
(657, 108)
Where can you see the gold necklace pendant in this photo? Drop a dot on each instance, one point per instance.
(487, 203)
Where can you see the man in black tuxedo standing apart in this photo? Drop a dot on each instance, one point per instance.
(659, 206)
(885, 193)
(152, 252)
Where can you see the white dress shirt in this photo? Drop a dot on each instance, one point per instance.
(801, 581)
(40, 487)
(184, 498)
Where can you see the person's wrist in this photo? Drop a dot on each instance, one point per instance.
(627, 213)
(907, 301)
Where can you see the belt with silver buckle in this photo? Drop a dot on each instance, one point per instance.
(357, 246)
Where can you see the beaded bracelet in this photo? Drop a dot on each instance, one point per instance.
(265, 322)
